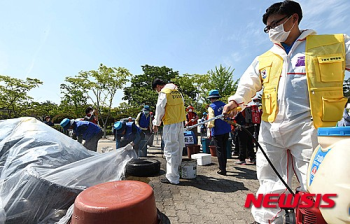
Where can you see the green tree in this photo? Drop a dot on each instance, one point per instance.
(74, 97)
(140, 91)
(14, 98)
(101, 86)
(186, 84)
(126, 110)
(222, 79)
(40, 110)
(204, 85)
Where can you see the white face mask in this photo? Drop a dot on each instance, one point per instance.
(277, 34)
(190, 110)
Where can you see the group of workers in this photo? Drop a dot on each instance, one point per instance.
(301, 78)
(220, 131)
(125, 132)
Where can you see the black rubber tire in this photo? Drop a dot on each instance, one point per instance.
(142, 167)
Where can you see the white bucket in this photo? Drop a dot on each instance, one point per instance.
(188, 169)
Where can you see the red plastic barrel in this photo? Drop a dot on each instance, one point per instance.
(123, 201)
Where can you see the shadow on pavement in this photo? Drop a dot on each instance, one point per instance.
(213, 184)
(244, 173)
(130, 177)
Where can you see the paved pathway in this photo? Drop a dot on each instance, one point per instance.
(209, 198)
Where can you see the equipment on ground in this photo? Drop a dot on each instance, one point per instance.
(142, 167)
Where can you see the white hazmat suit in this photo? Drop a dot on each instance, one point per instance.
(289, 140)
(173, 137)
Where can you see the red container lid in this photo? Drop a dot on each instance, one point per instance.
(123, 201)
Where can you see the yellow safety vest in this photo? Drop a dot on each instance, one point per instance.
(174, 109)
(325, 71)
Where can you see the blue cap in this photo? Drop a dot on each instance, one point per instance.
(118, 125)
(146, 107)
(334, 131)
(204, 113)
(64, 123)
(214, 94)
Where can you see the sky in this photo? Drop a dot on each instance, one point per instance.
(50, 40)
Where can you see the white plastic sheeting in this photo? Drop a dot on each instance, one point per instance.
(43, 170)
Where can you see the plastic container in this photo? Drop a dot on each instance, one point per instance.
(212, 150)
(188, 169)
(190, 138)
(123, 201)
(330, 136)
(202, 158)
(205, 144)
(192, 149)
(329, 171)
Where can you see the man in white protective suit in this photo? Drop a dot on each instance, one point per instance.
(301, 78)
(170, 110)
